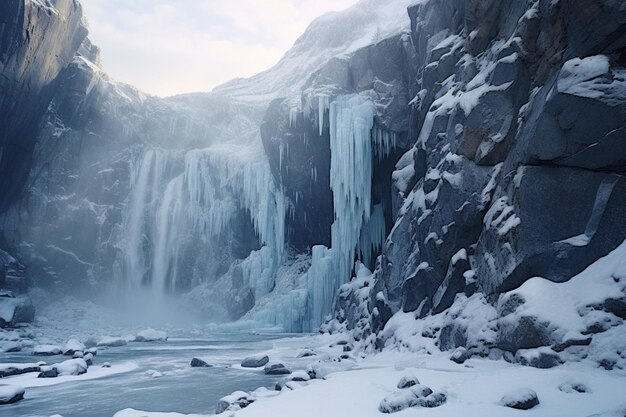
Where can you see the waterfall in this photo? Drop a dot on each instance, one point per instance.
(183, 201)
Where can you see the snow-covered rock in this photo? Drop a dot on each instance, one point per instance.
(11, 369)
(276, 369)
(408, 381)
(256, 361)
(233, 402)
(47, 350)
(73, 346)
(110, 341)
(521, 399)
(71, 367)
(15, 310)
(459, 355)
(416, 395)
(151, 335)
(10, 394)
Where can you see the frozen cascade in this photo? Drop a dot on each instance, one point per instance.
(351, 144)
(373, 235)
(177, 199)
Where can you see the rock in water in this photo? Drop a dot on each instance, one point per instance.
(151, 335)
(276, 369)
(109, 341)
(522, 399)
(47, 350)
(199, 363)
(255, 361)
(10, 394)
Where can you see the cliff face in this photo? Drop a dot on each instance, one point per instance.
(516, 171)
(37, 43)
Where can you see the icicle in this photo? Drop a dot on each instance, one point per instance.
(351, 169)
(323, 104)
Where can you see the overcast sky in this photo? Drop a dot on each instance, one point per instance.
(167, 47)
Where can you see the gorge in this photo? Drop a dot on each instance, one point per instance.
(413, 175)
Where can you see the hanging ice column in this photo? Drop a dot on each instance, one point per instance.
(351, 169)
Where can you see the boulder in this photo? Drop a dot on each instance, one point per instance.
(109, 341)
(151, 335)
(402, 399)
(15, 310)
(408, 381)
(12, 369)
(199, 363)
(542, 358)
(48, 372)
(276, 369)
(10, 394)
(235, 401)
(521, 399)
(460, 355)
(255, 361)
(71, 367)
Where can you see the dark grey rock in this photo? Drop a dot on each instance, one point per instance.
(460, 355)
(199, 363)
(276, 369)
(49, 373)
(255, 361)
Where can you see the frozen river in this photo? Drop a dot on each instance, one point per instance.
(180, 388)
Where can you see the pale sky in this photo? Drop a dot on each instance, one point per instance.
(167, 47)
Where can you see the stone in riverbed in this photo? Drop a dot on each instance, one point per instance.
(151, 335)
(255, 361)
(522, 399)
(199, 363)
(47, 350)
(276, 369)
(109, 341)
(10, 394)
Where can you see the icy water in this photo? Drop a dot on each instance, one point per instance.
(181, 388)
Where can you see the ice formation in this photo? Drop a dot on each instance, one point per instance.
(177, 196)
(354, 143)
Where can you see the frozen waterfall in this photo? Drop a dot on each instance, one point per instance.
(182, 201)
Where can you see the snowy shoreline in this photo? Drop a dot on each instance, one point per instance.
(356, 387)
